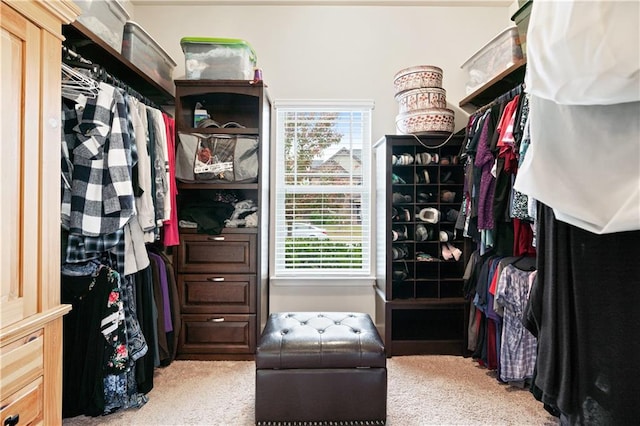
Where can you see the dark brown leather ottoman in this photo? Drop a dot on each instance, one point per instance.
(320, 368)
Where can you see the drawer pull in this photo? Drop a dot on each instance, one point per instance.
(216, 319)
(215, 238)
(215, 279)
(12, 420)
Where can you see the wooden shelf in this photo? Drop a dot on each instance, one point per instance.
(222, 185)
(501, 83)
(84, 42)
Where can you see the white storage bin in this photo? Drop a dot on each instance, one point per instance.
(500, 53)
(105, 19)
(218, 58)
(146, 54)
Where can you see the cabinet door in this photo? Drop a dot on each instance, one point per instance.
(19, 166)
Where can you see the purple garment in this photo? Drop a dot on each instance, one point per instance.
(164, 287)
(484, 161)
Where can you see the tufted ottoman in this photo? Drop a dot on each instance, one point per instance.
(320, 368)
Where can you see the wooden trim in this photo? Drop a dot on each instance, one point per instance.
(28, 325)
(53, 372)
(49, 197)
(48, 14)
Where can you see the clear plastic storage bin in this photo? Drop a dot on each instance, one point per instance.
(106, 19)
(499, 54)
(145, 53)
(218, 58)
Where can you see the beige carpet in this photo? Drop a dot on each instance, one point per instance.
(422, 390)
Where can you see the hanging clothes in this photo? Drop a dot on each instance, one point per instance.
(170, 226)
(112, 173)
(583, 309)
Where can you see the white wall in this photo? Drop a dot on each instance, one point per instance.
(336, 52)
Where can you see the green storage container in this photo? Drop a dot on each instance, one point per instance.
(521, 18)
(218, 58)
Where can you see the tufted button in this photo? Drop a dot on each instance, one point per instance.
(356, 331)
(320, 331)
(285, 331)
(337, 322)
(303, 323)
(320, 315)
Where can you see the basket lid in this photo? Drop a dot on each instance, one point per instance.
(219, 40)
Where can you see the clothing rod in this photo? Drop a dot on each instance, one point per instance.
(101, 74)
(503, 97)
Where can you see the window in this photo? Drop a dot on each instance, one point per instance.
(323, 188)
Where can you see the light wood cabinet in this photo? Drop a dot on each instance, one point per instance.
(30, 309)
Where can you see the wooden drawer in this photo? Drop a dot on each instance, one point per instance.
(26, 404)
(226, 253)
(222, 334)
(21, 362)
(217, 293)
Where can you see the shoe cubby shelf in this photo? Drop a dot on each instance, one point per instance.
(420, 265)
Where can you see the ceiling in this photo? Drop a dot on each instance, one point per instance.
(448, 3)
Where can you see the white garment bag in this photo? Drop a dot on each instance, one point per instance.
(583, 74)
(584, 162)
(584, 52)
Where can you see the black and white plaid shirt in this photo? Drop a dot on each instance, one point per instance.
(99, 155)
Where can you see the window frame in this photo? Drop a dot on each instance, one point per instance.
(285, 276)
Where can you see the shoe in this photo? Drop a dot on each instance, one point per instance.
(424, 197)
(422, 234)
(449, 160)
(399, 252)
(446, 253)
(447, 196)
(423, 177)
(429, 215)
(455, 252)
(404, 215)
(452, 215)
(400, 215)
(425, 257)
(445, 236)
(405, 159)
(399, 198)
(395, 179)
(435, 158)
(399, 233)
(394, 160)
(446, 177)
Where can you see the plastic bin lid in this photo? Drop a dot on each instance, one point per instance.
(512, 28)
(219, 40)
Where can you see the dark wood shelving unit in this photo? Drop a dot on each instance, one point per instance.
(84, 42)
(501, 83)
(223, 279)
(220, 186)
(424, 312)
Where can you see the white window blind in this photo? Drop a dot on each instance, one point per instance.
(323, 188)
